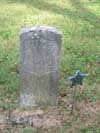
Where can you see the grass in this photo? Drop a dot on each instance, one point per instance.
(79, 22)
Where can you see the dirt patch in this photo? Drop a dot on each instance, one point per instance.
(52, 117)
(85, 113)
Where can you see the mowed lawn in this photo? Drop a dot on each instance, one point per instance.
(79, 22)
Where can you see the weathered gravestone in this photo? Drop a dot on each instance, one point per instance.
(40, 53)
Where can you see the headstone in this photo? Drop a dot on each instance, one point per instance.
(40, 53)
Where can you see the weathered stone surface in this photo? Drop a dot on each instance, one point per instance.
(40, 53)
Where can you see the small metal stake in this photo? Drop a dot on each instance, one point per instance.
(74, 98)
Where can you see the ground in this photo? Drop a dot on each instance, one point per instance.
(79, 22)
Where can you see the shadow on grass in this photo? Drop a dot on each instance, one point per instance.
(81, 13)
(85, 14)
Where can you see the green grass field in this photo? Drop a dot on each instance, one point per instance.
(79, 22)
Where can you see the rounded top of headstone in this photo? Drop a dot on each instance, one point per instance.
(41, 28)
